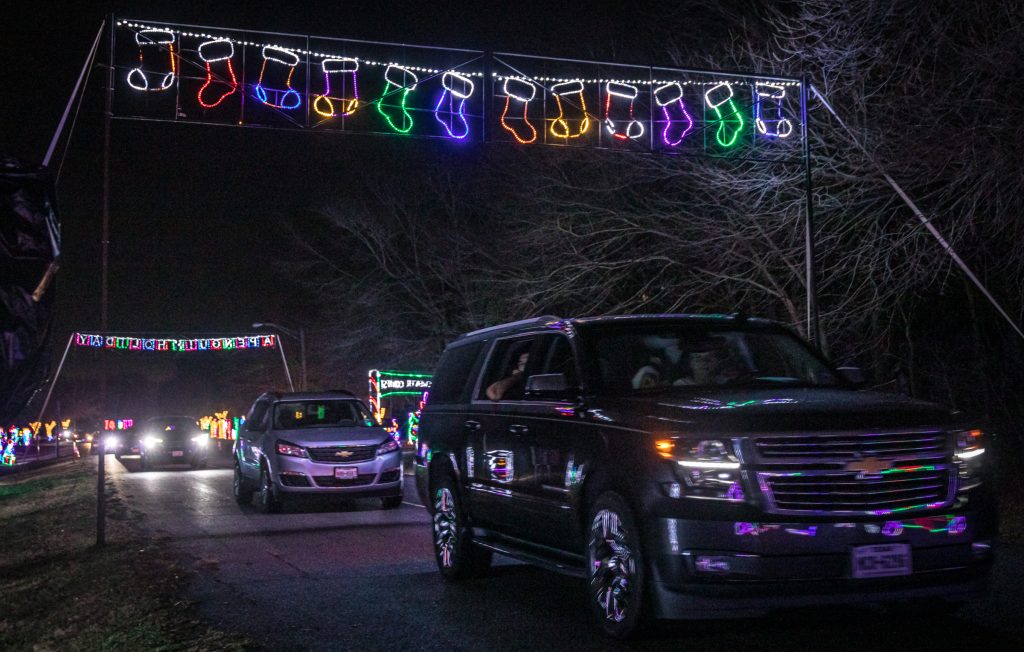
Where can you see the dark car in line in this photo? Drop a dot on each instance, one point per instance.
(166, 440)
(697, 467)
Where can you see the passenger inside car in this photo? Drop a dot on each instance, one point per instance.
(512, 383)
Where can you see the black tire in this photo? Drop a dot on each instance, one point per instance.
(267, 499)
(243, 492)
(616, 572)
(456, 556)
(391, 502)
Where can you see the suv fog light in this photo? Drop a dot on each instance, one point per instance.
(673, 489)
(709, 564)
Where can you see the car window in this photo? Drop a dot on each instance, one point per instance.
(257, 417)
(558, 358)
(289, 415)
(453, 374)
(172, 424)
(507, 369)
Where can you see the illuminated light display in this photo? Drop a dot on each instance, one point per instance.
(398, 79)
(221, 426)
(412, 423)
(343, 69)
(778, 126)
(677, 127)
(9, 458)
(221, 85)
(627, 94)
(457, 88)
(523, 92)
(284, 61)
(160, 344)
(560, 127)
(728, 117)
(161, 43)
(118, 424)
(387, 384)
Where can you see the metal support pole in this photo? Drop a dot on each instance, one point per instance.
(284, 361)
(101, 492)
(53, 382)
(302, 356)
(813, 327)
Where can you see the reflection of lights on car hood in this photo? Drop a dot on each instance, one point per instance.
(714, 404)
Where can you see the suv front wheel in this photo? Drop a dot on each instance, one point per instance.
(615, 567)
(457, 558)
(268, 499)
(243, 494)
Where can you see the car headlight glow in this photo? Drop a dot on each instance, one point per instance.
(112, 442)
(969, 457)
(151, 441)
(201, 440)
(708, 468)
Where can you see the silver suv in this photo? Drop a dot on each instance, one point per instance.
(324, 443)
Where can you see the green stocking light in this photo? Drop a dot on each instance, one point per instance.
(728, 117)
(398, 79)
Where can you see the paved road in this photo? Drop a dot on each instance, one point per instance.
(341, 576)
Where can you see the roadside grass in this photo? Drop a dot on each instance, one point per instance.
(60, 592)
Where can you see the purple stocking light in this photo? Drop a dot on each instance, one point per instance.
(676, 129)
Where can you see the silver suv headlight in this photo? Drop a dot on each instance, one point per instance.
(708, 468)
(388, 445)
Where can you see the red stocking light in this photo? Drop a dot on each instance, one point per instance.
(625, 99)
(278, 68)
(522, 92)
(157, 67)
(569, 95)
(343, 72)
(223, 83)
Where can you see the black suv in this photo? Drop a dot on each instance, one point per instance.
(697, 466)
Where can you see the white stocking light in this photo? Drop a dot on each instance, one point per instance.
(159, 42)
(769, 102)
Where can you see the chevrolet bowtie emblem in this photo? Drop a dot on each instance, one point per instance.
(868, 466)
(343, 454)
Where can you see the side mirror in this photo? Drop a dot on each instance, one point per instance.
(852, 375)
(547, 386)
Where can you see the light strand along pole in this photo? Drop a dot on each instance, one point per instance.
(813, 326)
(101, 497)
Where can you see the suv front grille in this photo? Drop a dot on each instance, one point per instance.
(342, 454)
(851, 445)
(331, 481)
(844, 492)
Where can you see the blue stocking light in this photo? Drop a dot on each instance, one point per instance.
(456, 87)
(768, 102)
(280, 63)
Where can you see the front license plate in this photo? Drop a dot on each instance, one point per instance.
(177, 453)
(882, 560)
(346, 472)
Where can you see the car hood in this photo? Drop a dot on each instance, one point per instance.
(357, 436)
(742, 410)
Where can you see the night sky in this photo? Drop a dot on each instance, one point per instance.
(197, 212)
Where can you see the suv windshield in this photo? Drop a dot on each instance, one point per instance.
(321, 414)
(645, 357)
(172, 424)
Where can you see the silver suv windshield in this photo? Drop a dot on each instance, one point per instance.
(289, 415)
(643, 357)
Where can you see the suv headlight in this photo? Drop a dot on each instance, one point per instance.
(969, 455)
(151, 441)
(708, 467)
(201, 440)
(388, 445)
(290, 449)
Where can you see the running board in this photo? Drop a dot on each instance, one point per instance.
(548, 562)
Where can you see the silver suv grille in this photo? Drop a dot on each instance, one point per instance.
(852, 445)
(900, 489)
(342, 454)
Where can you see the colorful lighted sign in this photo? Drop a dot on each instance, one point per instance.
(384, 384)
(118, 424)
(175, 344)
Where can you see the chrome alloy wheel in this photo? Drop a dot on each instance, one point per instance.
(612, 565)
(446, 528)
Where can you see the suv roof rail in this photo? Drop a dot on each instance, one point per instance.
(532, 321)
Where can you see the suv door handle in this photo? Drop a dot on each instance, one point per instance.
(472, 425)
(517, 429)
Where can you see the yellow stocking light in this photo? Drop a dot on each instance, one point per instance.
(339, 69)
(560, 127)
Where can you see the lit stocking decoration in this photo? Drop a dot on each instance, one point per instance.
(343, 71)
(730, 120)
(218, 85)
(670, 98)
(522, 92)
(565, 94)
(402, 81)
(456, 88)
(278, 68)
(768, 114)
(157, 66)
(625, 96)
